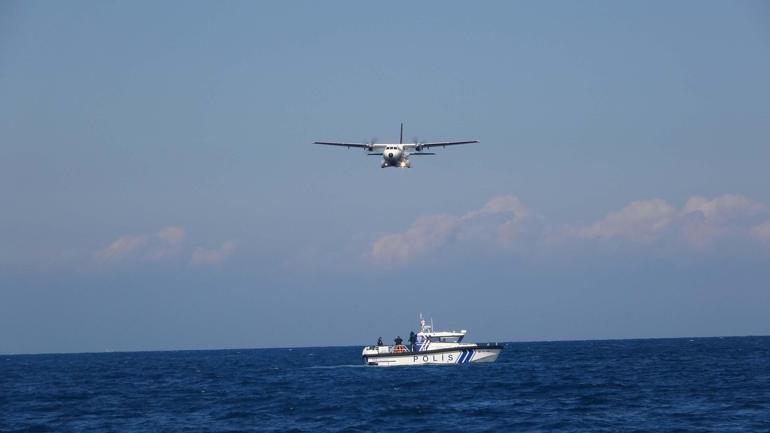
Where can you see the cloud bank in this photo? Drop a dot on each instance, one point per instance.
(728, 224)
(504, 222)
(498, 220)
(214, 256)
(698, 224)
(158, 246)
(168, 244)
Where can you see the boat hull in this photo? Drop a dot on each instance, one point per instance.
(460, 355)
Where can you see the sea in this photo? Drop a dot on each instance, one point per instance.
(650, 385)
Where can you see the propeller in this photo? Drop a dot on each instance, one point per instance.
(370, 144)
(417, 144)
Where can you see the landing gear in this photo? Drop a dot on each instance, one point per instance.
(404, 163)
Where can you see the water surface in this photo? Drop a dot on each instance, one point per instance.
(676, 385)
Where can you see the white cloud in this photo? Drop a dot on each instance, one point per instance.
(504, 225)
(724, 208)
(172, 235)
(502, 204)
(153, 247)
(698, 224)
(641, 221)
(167, 244)
(214, 256)
(123, 247)
(425, 234)
(505, 222)
(727, 216)
(432, 232)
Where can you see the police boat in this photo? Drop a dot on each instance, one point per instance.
(431, 347)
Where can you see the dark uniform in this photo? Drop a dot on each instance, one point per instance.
(412, 339)
(398, 340)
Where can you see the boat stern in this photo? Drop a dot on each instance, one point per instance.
(370, 351)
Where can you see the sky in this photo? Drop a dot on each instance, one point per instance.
(159, 188)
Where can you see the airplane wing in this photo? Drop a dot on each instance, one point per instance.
(445, 143)
(420, 153)
(348, 145)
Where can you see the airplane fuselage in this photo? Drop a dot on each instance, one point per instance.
(394, 155)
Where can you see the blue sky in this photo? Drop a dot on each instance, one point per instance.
(159, 189)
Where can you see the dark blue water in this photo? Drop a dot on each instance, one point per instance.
(682, 385)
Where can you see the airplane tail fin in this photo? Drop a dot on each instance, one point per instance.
(401, 137)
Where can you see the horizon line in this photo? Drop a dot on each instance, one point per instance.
(108, 351)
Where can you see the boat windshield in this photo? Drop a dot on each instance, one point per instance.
(446, 339)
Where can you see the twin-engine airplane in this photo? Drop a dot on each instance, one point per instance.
(396, 155)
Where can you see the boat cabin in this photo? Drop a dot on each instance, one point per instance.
(426, 339)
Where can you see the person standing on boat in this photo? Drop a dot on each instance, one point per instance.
(379, 341)
(398, 340)
(412, 339)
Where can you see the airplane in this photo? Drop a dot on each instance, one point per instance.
(396, 155)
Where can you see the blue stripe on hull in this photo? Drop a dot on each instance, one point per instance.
(465, 356)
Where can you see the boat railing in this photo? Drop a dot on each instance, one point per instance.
(399, 348)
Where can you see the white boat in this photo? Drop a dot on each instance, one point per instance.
(432, 347)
